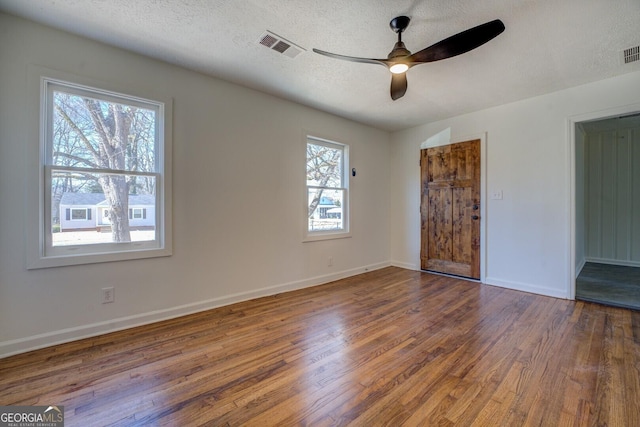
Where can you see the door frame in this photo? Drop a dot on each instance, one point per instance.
(444, 138)
(572, 208)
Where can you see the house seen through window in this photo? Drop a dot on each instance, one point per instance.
(327, 189)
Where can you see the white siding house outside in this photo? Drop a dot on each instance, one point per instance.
(90, 211)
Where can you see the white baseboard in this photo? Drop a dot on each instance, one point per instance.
(405, 265)
(527, 287)
(614, 262)
(35, 342)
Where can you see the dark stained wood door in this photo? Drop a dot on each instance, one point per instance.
(450, 209)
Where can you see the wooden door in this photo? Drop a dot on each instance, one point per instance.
(450, 209)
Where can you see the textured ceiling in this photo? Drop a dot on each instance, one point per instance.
(548, 45)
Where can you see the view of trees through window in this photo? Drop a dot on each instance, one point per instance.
(325, 186)
(102, 161)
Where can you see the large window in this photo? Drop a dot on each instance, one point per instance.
(327, 201)
(102, 152)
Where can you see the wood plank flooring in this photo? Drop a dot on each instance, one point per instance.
(386, 348)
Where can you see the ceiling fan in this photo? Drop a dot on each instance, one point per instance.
(400, 59)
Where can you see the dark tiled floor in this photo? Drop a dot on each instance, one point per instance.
(609, 284)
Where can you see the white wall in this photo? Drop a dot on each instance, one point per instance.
(237, 154)
(529, 157)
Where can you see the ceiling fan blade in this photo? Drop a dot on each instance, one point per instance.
(459, 43)
(352, 58)
(398, 85)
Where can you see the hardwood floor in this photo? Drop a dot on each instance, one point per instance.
(390, 347)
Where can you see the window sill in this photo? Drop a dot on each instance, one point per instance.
(79, 259)
(325, 236)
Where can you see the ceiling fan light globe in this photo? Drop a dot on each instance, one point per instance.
(398, 68)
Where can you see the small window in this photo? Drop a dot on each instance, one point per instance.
(137, 213)
(106, 151)
(79, 214)
(327, 197)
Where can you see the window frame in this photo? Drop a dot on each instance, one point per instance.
(86, 215)
(40, 251)
(345, 232)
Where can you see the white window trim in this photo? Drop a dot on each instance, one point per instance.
(313, 236)
(37, 231)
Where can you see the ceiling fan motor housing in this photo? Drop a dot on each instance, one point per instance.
(398, 25)
(399, 51)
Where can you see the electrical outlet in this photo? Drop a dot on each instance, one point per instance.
(330, 262)
(108, 295)
(496, 195)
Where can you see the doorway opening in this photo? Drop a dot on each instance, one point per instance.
(607, 210)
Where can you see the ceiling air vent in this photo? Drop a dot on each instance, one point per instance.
(268, 40)
(630, 55)
(280, 44)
